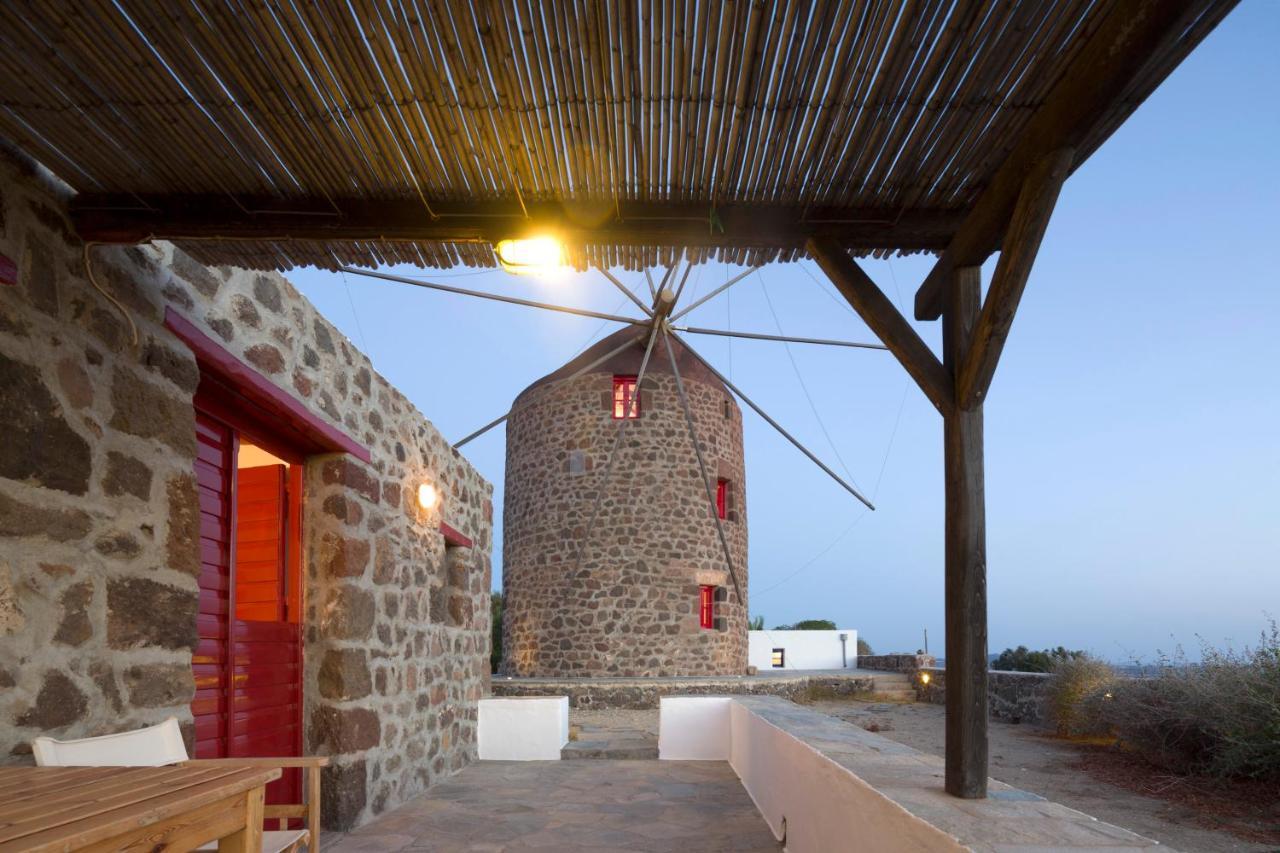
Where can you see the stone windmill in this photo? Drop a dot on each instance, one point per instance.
(625, 537)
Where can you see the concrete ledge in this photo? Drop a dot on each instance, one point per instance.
(533, 728)
(820, 782)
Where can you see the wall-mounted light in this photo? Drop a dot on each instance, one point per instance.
(924, 678)
(428, 496)
(544, 256)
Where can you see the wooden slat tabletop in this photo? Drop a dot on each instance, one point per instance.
(64, 808)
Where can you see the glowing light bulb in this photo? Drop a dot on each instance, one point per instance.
(428, 497)
(924, 678)
(544, 256)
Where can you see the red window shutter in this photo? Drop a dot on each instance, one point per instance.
(707, 607)
(722, 497)
(626, 398)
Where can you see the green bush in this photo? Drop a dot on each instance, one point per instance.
(808, 625)
(495, 626)
(1220, 716)
(1079, 683)
(1023, 659)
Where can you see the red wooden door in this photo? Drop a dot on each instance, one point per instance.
(248, 663)
(215, 478)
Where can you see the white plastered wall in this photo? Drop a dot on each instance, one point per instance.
(533, 728)
(802, 650)
(813, 803)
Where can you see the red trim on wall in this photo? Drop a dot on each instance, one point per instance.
(276, 405)
(453, 537)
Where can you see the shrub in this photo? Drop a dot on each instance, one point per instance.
(1023, 659)
(808, 625)
(1220, 716)
(1080, 682)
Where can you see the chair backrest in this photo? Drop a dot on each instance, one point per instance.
(148, 747)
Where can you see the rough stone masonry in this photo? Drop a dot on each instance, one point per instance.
(99, 517)
(620, 596)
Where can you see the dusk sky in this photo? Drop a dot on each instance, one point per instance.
(1132, 430)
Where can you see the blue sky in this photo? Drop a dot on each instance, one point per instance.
(1133, 428)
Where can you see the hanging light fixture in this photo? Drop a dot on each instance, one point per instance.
(543, 256)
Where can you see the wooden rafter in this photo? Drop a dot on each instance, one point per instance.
(888, 324)
(117, 219)
(1098, 81)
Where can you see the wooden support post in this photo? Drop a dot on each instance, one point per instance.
(966, 557)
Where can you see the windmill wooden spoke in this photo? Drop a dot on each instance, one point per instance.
(645, 308)
(628, 402)
(648, 278)
(580, 371)
(702, 467)
(693, 330)
(713, 294)
(684, 279)
(788, 436)
(514, 300)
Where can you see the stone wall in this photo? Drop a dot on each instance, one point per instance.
(629, 605)
(99, 520)
(645, 693)
(1015, 697)
(896, 663)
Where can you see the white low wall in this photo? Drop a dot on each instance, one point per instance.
(814, 804)
(694, 728)
(532, 728)
(802, 649)
(808, 800)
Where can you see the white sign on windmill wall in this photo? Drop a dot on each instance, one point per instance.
(780, 651)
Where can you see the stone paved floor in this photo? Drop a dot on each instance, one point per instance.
(571, 806)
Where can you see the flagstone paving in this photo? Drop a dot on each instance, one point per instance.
(598, 806)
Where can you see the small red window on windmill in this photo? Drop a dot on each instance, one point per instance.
(722, 498)
(626, 399)
(707, 607)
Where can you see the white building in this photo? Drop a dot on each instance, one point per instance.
(774, 651)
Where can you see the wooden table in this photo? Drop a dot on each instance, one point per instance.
(132, 808)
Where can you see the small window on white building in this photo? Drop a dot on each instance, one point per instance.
(778, 659)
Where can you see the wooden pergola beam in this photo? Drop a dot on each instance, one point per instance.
(1098, 80)
(127, 219)
(889, 325)
(1021, 245)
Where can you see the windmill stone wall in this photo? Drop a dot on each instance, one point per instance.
(629, 606)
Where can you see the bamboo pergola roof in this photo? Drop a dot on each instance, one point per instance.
(270, 135)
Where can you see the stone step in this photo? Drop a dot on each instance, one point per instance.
(619, 749)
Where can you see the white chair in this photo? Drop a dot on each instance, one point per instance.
(162, 744)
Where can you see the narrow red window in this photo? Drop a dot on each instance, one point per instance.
(626, 402)
(707, 607)
(722, 497)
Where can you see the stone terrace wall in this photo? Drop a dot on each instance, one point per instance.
(99, 521)
(645, 693)
(1015, 697)
(896, 663)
